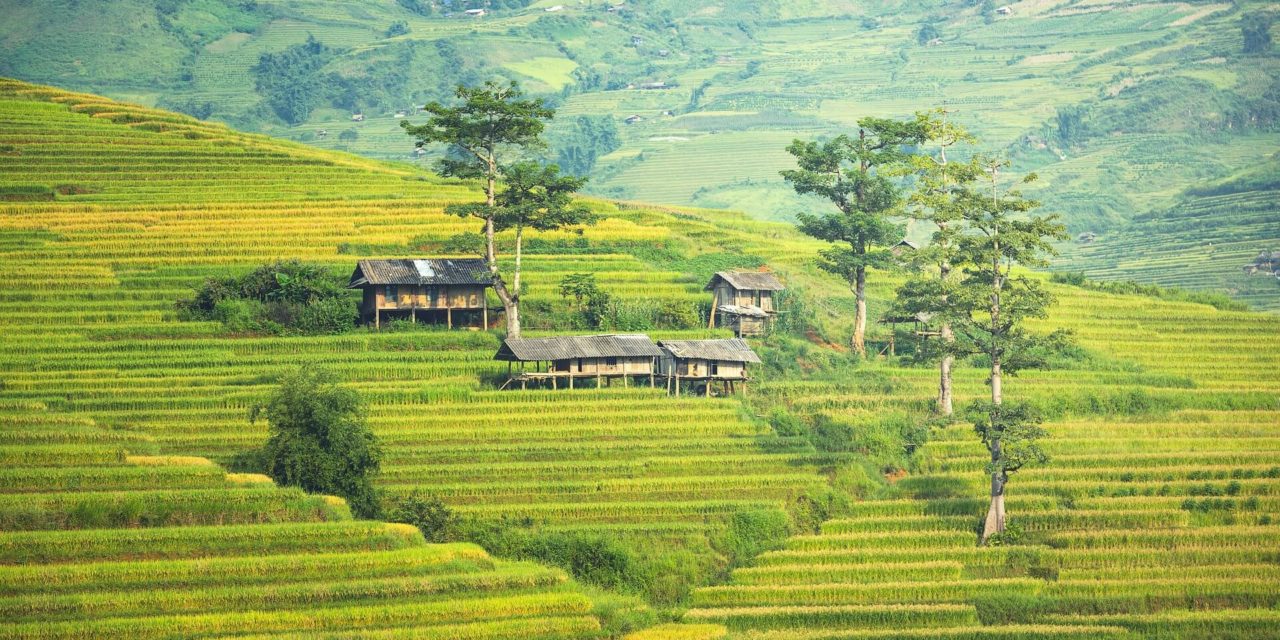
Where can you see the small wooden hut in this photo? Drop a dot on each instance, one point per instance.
(904, 247)
(602, 358)
(708, 361)
(743, 300)
(919, 327)
(423, 290)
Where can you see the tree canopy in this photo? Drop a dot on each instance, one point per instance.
(319, 439)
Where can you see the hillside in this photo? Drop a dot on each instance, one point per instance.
(1155, 518)
(1118, 105)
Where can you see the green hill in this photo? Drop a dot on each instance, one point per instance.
(1119, 105)
(1156, 517)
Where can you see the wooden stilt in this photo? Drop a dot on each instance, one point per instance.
(677, 386)
(448, 316)
(554, 384)
(377, 318)
(413, 314)
(571, 381)
(706, 391)
(484, 314)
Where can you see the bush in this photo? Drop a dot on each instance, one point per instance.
(752, 532)
(329, 315)
(431, 516)
(319, 440)
(282, 297)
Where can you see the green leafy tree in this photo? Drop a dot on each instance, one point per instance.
(319, 440)
(588, 138)
(492, 123)
(579, 286)
(291, 81)
(855, 174)
(999, 237)
(1256, 29)
(537, 197)
(927, 33)
(929, 292)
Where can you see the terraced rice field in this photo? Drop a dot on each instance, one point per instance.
(611, 457)
(1157, 516)
(103, 537)
(1205, 242)
(1155, 519)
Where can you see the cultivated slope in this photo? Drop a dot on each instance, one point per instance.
(1165, 440)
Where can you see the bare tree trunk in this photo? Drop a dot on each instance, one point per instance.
(948, 336)
(860, 314)
(510, 301)
(944, 373)
(995, 522)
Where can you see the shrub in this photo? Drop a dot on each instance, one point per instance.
(283, 297)
(319, 440)
(431, 516)
(752, 532)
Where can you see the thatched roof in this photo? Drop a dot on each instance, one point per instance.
(571, 347)
(421, 271)
(731, 350)
(747, 281)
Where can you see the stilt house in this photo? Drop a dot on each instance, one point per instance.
(707, 361)
(440, 290)
(564, 359)
(743, 300)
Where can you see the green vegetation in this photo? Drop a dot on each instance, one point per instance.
(283, 297)
(1119, 106)
(491, 127)
(823, 503)
(855, 174)
(320, 440)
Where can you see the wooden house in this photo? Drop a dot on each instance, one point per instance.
(743, 300)
(428, 289)
(904, 247)
(706, 361)
(601, 358)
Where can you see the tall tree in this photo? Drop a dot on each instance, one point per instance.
(537, 197)
(492, 124)
(855, 174)
(934, 200)
(1000, 237)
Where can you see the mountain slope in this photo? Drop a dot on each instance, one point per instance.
(1164, 434)
(1119, 106)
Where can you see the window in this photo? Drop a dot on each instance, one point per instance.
(579, 365)
(389, 293)
(612, 362)
(715, 368)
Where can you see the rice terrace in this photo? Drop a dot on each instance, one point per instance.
(640, 319)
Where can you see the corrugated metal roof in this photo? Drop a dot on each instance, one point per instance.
(732, 350)
(747, 280)
(569, 347)
(738, 310)
(421, 271)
